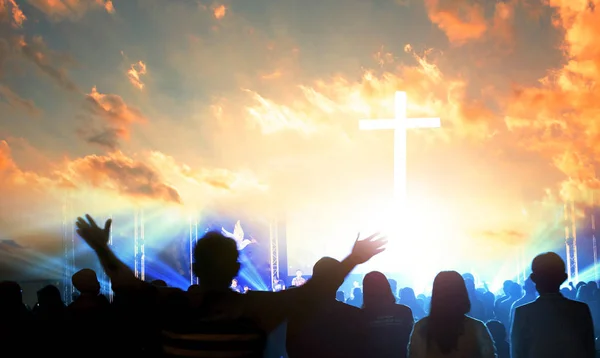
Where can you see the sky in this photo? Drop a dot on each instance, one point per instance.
(181, 106)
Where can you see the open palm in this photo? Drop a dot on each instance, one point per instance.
(95, 236)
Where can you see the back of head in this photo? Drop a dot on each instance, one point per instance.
(159, 283)
(86, 281)
(449, 305)
(407, 295)
(325, 267)
(376, 290)
(49, 296)
(497, 330)
(10, 295)
(548, 272)
(216, 260)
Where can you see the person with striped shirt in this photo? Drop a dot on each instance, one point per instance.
(212, 320)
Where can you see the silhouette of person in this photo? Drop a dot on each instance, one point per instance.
(15, 321)
(387, 324)
(298, 280)
(498, 332)
(215, 321)
(448, 332)
(326, 327)
(552, 326)
(529, 296)
(407, 298)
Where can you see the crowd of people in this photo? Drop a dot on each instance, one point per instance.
(312, 318)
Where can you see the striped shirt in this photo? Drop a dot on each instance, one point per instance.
(211, 327)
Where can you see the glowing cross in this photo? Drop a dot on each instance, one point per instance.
(399, 124)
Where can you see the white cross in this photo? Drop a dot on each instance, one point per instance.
(399, 124)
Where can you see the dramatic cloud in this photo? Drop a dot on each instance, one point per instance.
(465, 20)
(135, 71)
(70, 9)
(46, 60)
(430, 93)
(11, 13)
(461, 20)
(219, 12)
(120, 173)
(559, 119)
(217, 178)
(117, 118)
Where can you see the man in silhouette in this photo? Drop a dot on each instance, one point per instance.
(323, 326)
(212, 320)
(552, 326)
(530, 296)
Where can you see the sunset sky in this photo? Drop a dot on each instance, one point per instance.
(184, 105)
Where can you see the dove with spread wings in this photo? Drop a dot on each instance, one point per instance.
(238, 236)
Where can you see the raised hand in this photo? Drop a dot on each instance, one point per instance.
(364, 250)
(95, 236)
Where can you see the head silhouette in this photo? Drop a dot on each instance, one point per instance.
(324, 268)
(529, 286)
(376, 290)
(49, 296)
(159, 283)
(216, 261)
(548, 272)
(407, 295)
(86, 282)
(449, 305)
(11, 295)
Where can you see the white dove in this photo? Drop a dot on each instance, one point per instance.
(238, 236)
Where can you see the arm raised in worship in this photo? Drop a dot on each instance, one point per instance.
(97, 239)
(271, 308)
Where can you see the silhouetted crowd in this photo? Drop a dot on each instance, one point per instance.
(313, 318)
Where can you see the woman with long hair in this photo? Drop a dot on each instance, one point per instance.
(388, 325)
(448, 332)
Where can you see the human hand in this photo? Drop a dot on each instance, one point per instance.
(364, 250)
(95, 236)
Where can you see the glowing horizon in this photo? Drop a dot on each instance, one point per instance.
(184, 108)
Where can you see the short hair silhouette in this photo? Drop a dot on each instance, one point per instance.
(449, 304)
(216, 260)
(86, 281)
(324, 268)
(548, 271)
(377, 290)
(10, 294)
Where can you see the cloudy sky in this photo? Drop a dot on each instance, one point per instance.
(189, 104)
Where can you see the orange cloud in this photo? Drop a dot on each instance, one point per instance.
(10, 12)
(219, 12)
(461, 20)
(560, 118)
(135, 71)
(218, 178)
(117, 172)
(117, 119)
(431, 93)
(70, 9)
